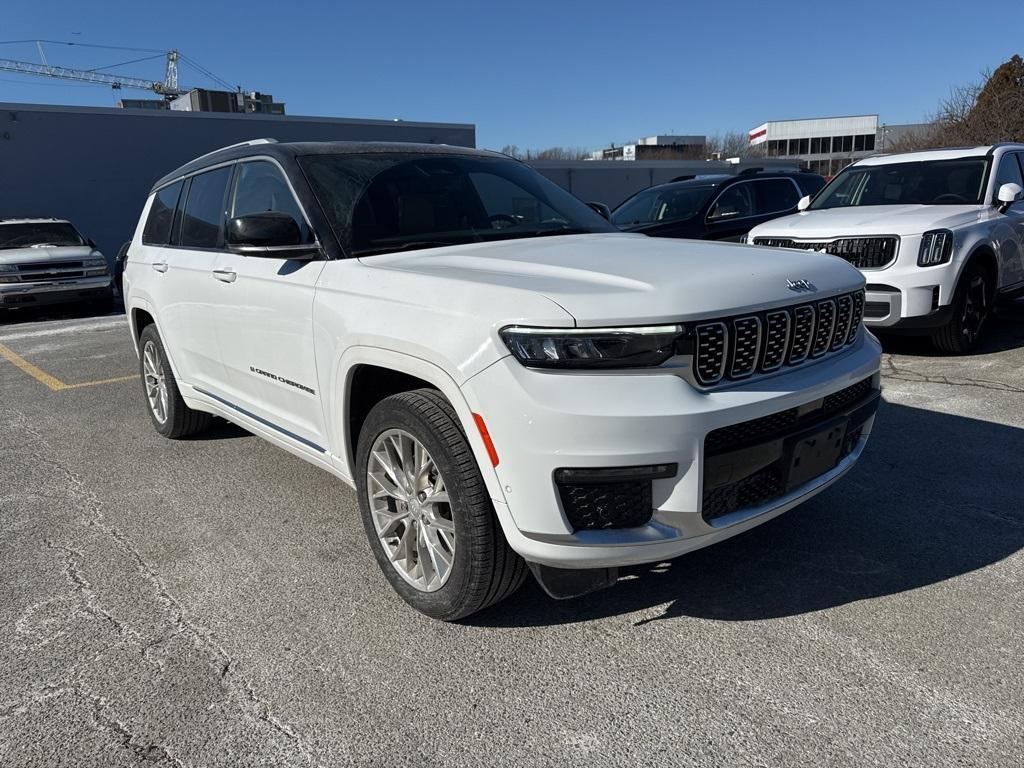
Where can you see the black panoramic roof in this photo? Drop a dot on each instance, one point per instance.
(288, 150)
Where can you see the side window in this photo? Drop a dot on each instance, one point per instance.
(775, 195)
(260, 188)
(158, 226)
(734, 203)
(202, 223)
(1007, 173)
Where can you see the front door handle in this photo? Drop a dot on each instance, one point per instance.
(160, 266)
(225, 275)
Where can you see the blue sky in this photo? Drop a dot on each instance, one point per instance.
(538, 74)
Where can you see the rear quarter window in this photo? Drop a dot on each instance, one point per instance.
(158, 226)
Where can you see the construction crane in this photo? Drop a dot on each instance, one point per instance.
(167, 88)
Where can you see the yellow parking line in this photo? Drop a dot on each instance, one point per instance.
(114, 380)
(46, 379)
(36, 373)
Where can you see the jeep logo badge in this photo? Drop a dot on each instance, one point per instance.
(800, 286)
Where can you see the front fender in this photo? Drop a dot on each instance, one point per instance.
(336, 405)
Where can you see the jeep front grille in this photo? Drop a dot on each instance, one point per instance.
(861, 252)
(760, 342)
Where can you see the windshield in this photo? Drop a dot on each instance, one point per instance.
(385, 202)
(669, 203)
(931, 182)
(27, 234)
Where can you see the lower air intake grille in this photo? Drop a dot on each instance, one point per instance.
(765, 483)
(590, 506)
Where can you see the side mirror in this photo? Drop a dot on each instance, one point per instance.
(272, 234)
(804, 204)
(603, 210)
(1008, 194)
(91, 243)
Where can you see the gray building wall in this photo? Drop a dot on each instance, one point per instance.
(95, 166)
(612, 181)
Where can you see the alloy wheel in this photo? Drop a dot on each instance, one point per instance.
(411, 510)
(155, 380)
(975, 309)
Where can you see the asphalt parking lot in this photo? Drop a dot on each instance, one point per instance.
(212, 602)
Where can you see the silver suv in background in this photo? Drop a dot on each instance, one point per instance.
(48, 261)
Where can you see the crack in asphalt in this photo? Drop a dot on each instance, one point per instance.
(85, 590)
(891, 371)
(251, 705)
(151, 752)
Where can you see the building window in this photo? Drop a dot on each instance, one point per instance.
(869, 142)
(858, 142)
(847, 144)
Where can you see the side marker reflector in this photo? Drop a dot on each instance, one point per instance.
(486, 436)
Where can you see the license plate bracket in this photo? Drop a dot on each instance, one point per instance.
(813, 454)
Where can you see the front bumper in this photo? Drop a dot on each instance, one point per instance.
(542, 421)
(64, 291)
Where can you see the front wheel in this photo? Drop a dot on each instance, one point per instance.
(427, 512)
(972, 305)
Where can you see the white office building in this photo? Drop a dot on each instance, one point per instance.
(825, 145)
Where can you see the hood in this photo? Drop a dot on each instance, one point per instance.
(622, 279)
(47, 254)
(900, 220)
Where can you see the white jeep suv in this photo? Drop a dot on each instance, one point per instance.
(510, 383)
(939, 236)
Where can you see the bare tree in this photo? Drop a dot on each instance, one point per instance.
(983, 113)
(551, 153)
(730, 144)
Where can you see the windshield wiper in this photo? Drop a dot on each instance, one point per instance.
(553, 232)
(400, 247)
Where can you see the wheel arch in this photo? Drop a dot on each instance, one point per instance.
(984, 254)
(366, 375)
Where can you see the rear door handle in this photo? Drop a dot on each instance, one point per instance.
(225, 275)
(160, 266)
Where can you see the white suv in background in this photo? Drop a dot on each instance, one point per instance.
(939, 235)
(506, 379)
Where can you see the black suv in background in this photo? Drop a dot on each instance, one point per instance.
(719, 207)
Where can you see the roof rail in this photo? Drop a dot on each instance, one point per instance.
(250, 143)
(746, 171)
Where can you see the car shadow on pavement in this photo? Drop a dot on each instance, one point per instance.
(934, 496)
(75, 311)
(1003, 332)
(220, 429)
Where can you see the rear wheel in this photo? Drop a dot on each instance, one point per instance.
(170, 416)
(427, 512)
(972, 305)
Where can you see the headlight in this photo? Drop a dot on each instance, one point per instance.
(8, 268)
(640, 347)
(95, 262)
(936, 248)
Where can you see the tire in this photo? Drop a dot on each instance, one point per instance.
(972, 306)
(168, 412)
(483, 569)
